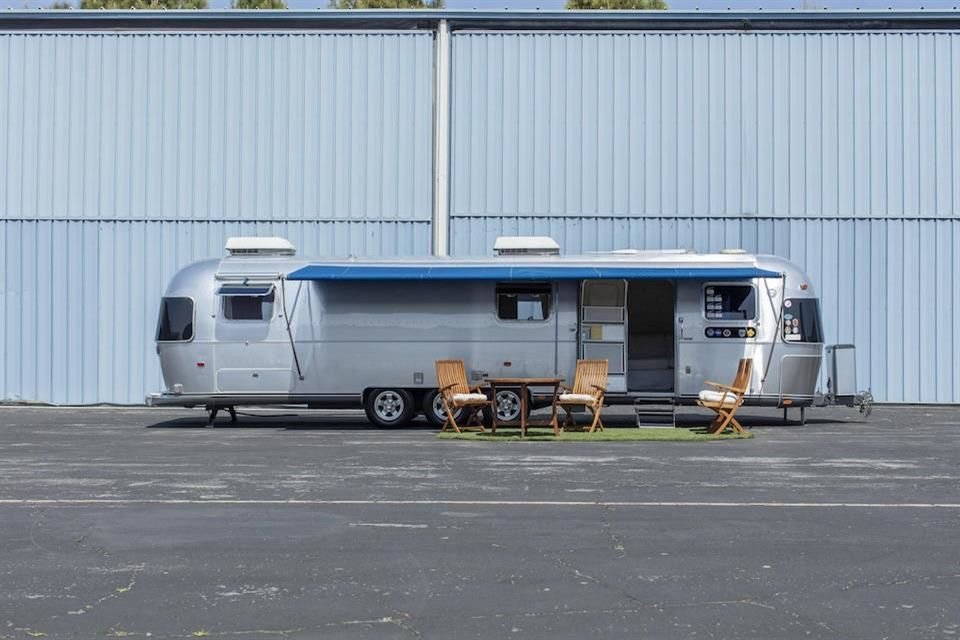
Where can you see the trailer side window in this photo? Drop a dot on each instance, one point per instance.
(529, 302)
(729, 302)
(801, 320)
(247, 302)
(176, 320)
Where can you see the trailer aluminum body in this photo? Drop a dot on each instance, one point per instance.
(262, 326)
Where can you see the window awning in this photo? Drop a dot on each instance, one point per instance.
(245, 290)
(513, 273)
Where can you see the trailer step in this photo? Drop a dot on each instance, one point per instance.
(655, 413)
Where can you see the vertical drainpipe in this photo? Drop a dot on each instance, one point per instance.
(441, 141)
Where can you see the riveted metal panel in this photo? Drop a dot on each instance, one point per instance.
(221, 126)
(79, 299)
(768, 125)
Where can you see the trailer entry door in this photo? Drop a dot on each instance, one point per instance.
(651, 341)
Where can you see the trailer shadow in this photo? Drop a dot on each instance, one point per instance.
(285, 422)
(306, 420)
(750, 420)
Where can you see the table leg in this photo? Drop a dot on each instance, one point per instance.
(523, 411)
(493, 422)
(553, 411)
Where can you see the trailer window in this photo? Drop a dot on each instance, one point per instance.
(248, 307)
(523, 302)
(801, 320)
(729, 302)
(176, 320)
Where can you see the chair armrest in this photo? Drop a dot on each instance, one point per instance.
(565, 387)
(479, 387)
(449, 386)
(599, 388)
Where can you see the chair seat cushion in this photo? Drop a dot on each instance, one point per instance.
(724, 397)
(577, 397)
(461, 398)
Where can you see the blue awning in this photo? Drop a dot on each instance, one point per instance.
(514, 273)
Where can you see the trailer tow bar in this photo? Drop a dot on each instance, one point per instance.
(212, 414)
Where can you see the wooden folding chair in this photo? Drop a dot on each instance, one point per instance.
(724, 399)
(458, 394)
(589, 387)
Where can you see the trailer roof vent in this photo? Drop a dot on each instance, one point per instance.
(526, 246)
(733, 252)
(254, 246)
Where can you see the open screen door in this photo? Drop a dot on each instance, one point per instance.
(603, 328)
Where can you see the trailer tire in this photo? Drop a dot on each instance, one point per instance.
(389, 408)
(507, 405)
(433, 409)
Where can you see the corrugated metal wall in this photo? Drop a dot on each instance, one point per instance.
(839, 151)
(124, 157)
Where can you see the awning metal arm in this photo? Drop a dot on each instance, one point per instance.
(779, 314)
(286, 318)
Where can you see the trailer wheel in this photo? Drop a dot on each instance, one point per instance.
(433, 409)
(389, 407)
(507, 404)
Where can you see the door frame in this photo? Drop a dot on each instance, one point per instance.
(673, 328)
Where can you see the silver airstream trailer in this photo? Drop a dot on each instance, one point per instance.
(262, 326)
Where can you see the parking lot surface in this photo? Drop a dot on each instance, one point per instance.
(145, 523)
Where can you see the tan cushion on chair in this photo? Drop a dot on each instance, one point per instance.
(469, 397)
(586, 398)
(718, 396)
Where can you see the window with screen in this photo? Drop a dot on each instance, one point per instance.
(729, 302)
(247, 305)
(523, 302)
(801, 320)
(176, 320)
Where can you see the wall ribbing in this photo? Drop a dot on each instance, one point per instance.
(839, 151)
(125, 156)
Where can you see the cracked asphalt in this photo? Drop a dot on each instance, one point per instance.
(143, 523)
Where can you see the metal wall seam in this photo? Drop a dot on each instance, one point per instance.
(162, 126)
(441, 140)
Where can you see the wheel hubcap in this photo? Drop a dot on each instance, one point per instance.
(508, 405)
(388, 405)
(440, 412)
(438, 409)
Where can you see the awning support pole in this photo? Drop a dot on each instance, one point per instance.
(286, 318)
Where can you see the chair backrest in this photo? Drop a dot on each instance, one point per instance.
(589, 373)
(452, 372)
(744, 370)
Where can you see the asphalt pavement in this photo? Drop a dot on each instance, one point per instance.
(140, 523)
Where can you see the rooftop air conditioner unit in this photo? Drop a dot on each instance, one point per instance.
(526, 246)
(254, 246)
